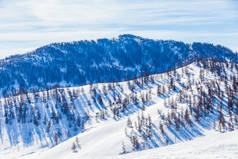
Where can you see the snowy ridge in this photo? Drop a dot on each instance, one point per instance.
(110, 119)
(104, 60)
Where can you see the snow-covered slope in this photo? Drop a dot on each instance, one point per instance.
(213, 145)
(107, 120)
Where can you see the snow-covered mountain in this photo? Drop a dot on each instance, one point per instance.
(103, 60)
(117, 119)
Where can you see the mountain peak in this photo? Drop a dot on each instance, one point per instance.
(129, 36)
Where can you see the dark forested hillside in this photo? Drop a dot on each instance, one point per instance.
(104, 60)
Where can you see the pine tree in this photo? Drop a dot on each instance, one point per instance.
(158, 90)
(56, 139)
(123, 148)
(74, 148)
(161, 128)
(129, 123)
(135, 143)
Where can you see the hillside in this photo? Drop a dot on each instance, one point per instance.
(113, 119)
(104, 60)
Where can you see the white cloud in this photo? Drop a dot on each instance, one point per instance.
(28, 24)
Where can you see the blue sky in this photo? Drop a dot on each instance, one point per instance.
(28, 24)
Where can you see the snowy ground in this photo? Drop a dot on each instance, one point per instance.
(213, 145)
